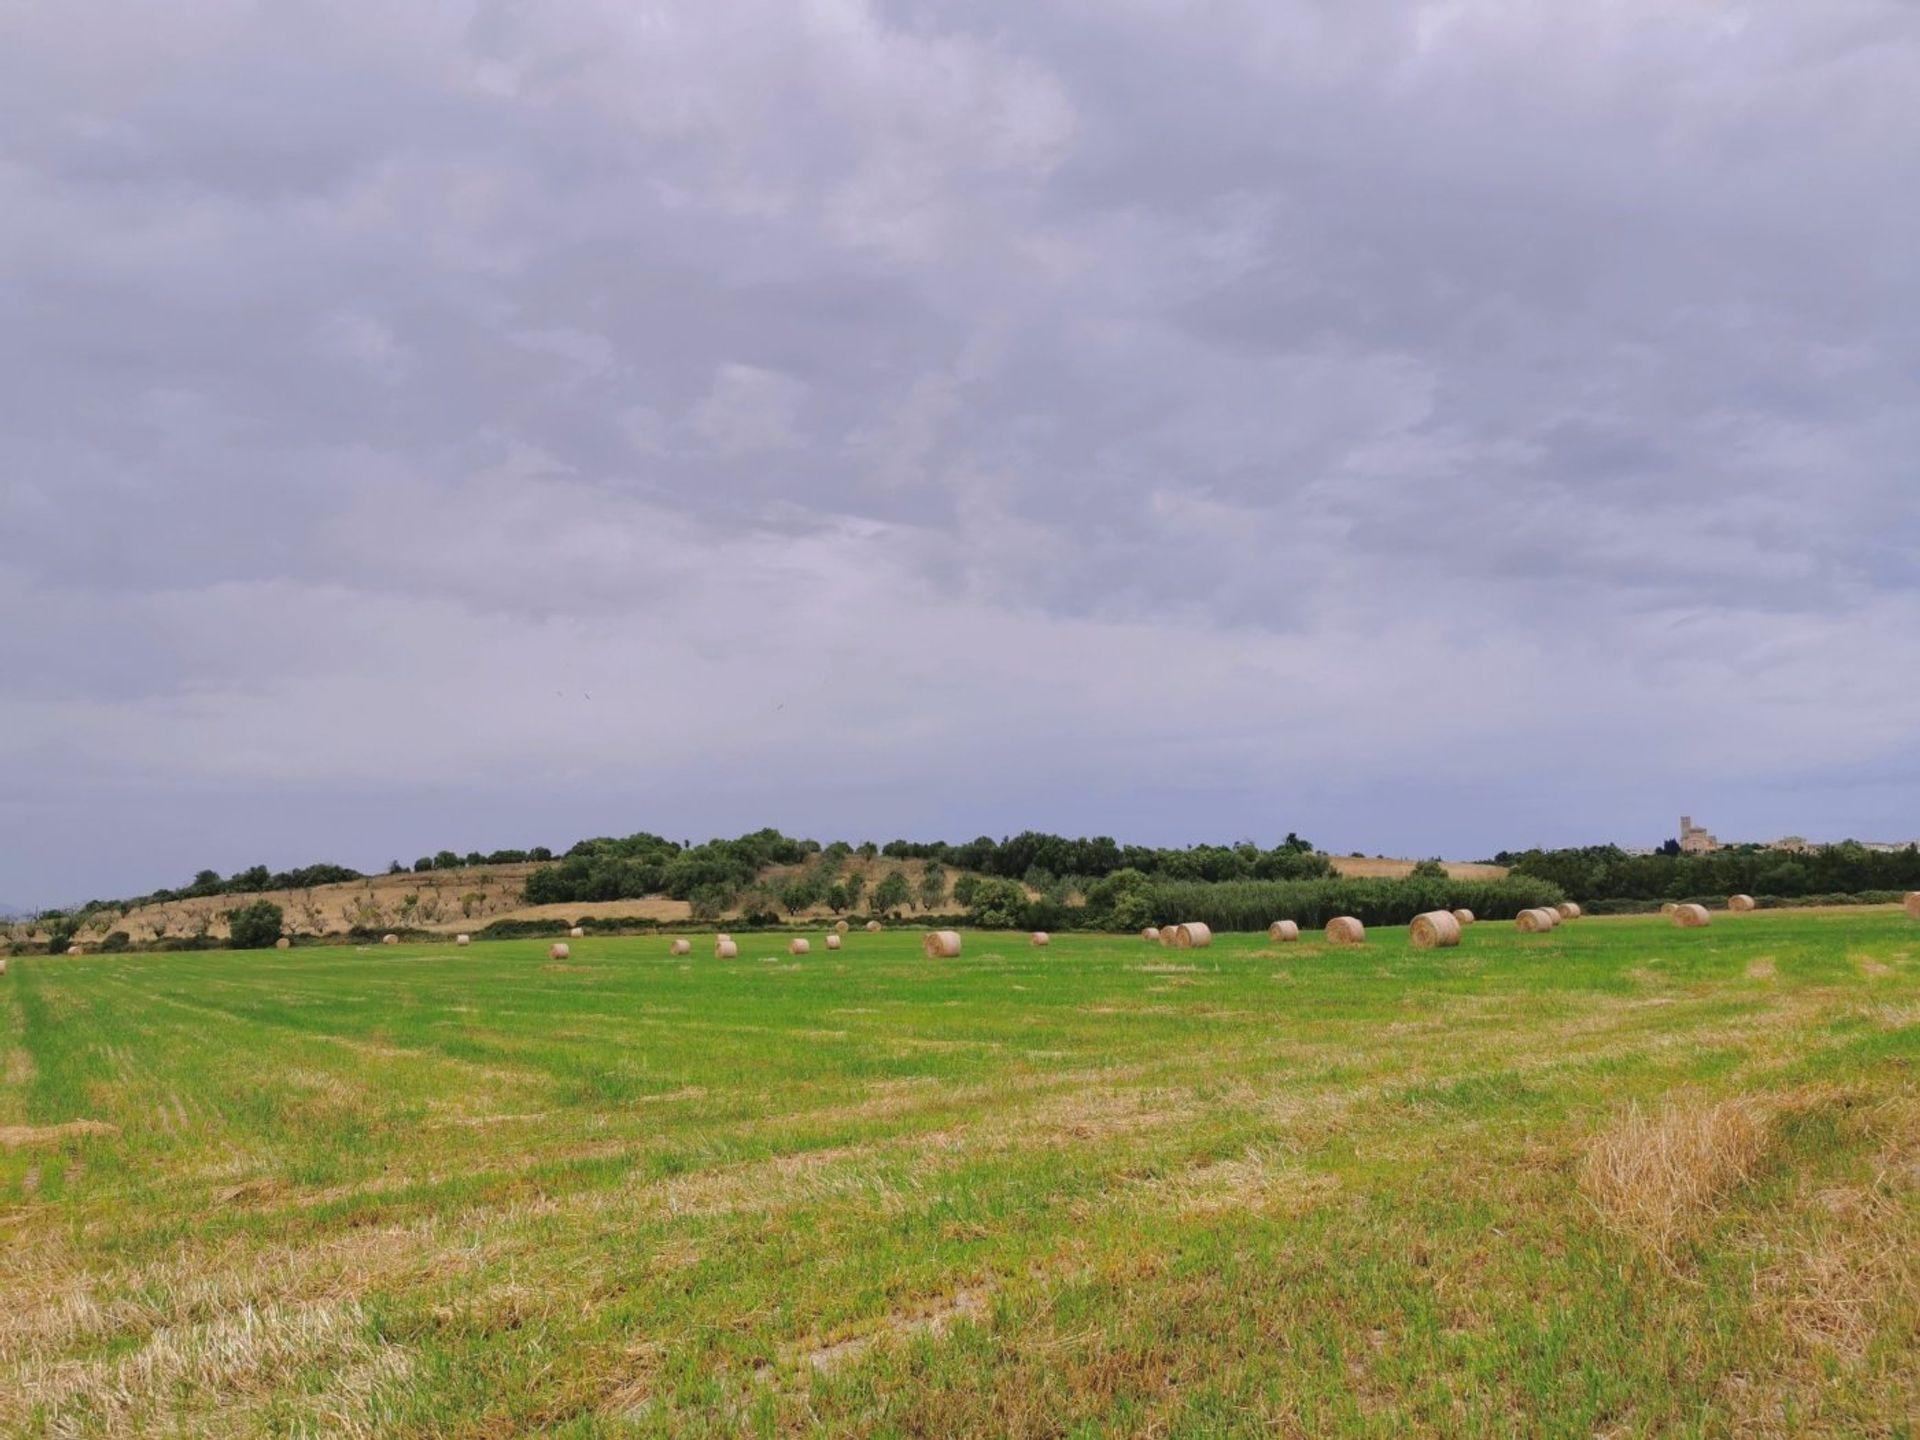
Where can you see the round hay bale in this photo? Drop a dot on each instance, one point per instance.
(577, 933)
(841, 927)
(1151, 934)
(1691, 917)
(1465, 917)
(721, 936)
(1567, 910)
(1345, 930)
(389, 939)
(1435, 930)
(1192, 936)
(463, 940)
(725, 949)
(283, 943)
(1283, 932)
(1668, 908)
(1535, 922)
(558, 952)
(1041, 940)
(940, 944)
(75, 950)
(833, 941)
(797, 946)
(3, 964)
(1913, 903)
(681, 947)
(1740, 904)
(873, 927)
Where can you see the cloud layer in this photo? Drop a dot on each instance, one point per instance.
(1430, 428)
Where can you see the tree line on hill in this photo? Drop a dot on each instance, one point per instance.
(1606, 875)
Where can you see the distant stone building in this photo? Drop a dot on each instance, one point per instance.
(1798, 844)
(1694, 840)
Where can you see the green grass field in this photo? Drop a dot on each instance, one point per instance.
(1618, 1180)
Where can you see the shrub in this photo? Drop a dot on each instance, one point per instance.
(116, 942)
(1249, 905)
(255, 926)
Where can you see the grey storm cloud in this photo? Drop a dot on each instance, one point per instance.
(1429, 427)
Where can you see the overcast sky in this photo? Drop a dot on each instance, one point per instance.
(1428, 427)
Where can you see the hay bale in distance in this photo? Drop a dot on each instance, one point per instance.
(1435, 930)
(873, 927)
(558, 952)
(1668, 908)
(833, 941)
(1283, 932)
(3, 964)
(1691, 917)
(1913, 903)
(681, 947)
(1465, 917)
(1040, 940)
(283, 943)
(389, 939)
(577, 933)
(940, 944)
(463, 940)
(76, 950)
(725, 949)
(798, 946)
(1192, 936)
(1346, 930)
(1536, 921)
(1740, 904)
(841, 927)
(1567, 910)
(1151, 934)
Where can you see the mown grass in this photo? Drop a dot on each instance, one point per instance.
(1617, 1180)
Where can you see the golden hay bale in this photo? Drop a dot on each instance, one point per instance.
(1739, 904)
(283, 943)
(3, 964)
(75, 950)
(833, 941)
(1668, 908)
(1345, 930)
(1041, 940)
(558, 952)
(1435, 930)
(389, 939)
(1535, 922)
(463, 940)
(1465, 917)
(681, 947)
(797, 946)
(1567, 910)
(1151, 934)
(940, 944)
(873, 927)
(725, 949)
(577, 933)
(1283, 932)
(1192, 936)
(1913, 903)
(841, 927)
(1691, 917)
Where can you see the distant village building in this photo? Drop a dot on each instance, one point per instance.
(1695, 840)
(1798, 844)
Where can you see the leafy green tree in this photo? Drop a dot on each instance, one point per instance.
(1429, 870)
(933, 886)
(997, 904)
(797, 895)
(963, 889)
(446, 860)
(1122, 900)
(856, 886)
(891, 893)
(255, 926)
